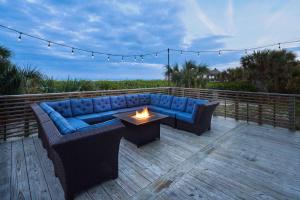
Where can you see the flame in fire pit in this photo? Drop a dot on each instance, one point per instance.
(144, 114)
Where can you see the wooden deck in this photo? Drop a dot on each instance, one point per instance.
(234, 160)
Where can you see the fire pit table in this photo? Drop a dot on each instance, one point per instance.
(141, 130)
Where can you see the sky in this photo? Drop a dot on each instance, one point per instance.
(138, 27)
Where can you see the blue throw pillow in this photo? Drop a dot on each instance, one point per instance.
(179, 103)
(165, 101)
(144, 99)
(118, 102)
(101, 104)
(155, 98)
(132, 100)
(81, 106)
(61, 123)
(191, 102)
(63, 107)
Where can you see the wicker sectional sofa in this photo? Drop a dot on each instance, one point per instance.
(82, 137)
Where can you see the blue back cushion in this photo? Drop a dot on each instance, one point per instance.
(165, 101)
(155, 99)
(61, 123)
(47, 108)
(179, 103)
(132, 100)
(144, 99)
(191, 102)
(101, 104)
(118, 102)
(63, 107)
(81, 106)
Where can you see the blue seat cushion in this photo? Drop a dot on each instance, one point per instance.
(101, 104)
(165, 111)
(165, 101)
(61, 123)
(155, 99)
(144, 99)
(97, 117)
(47, 108)
(191, 102)
(118, 102)
(63, 107)
(76, 123)
(186, 117)
(81, 106)
(179, 103)
(101, 125)
(132, 100)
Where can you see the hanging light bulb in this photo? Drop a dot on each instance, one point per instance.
(108, 58)
(198, 53)
(156, 54)
(142, 58)
(181, 52)
(122, 58)
(20, 37)
(93, 55)
(49, 44)
(134, 58)
(219, 52)
(246, 51)
(72, 51)
(279, 47)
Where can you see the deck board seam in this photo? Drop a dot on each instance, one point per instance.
(26, 169)
(41, 166)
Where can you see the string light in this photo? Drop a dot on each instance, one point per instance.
(20, 37)
(142, 58)
(122, 58)
(93, 55)
(108, 58)
(254, 49)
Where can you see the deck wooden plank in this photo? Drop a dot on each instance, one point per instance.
(19, 181)
(56, 191)
(232, 161)
(5, 170)
(37, 183)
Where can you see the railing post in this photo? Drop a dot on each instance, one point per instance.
(274, 113)
(247, 118)
(225, 108)
(292, 113)
(260, 114)
(236, 108)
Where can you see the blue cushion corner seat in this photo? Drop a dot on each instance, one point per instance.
(77, 123)
(63, 107)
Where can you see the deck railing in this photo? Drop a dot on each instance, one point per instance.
(16, 118)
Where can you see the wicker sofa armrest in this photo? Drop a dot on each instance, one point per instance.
(205, 112)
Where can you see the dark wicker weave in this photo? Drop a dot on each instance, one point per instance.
(81, 159)
(202, 121)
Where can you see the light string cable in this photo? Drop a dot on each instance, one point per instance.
(142, 56)
(73, 48)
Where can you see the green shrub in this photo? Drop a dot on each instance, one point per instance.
(236, 86)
